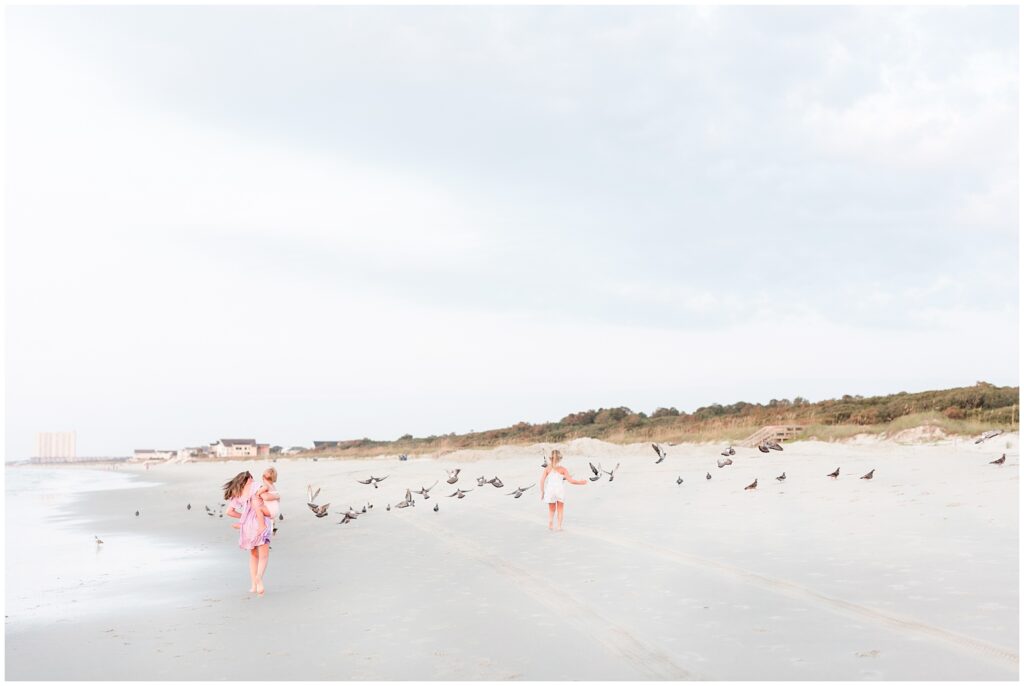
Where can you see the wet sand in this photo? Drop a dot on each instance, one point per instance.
(912, 575)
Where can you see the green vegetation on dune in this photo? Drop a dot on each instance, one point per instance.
(968, 410)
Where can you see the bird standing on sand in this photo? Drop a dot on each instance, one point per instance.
(679, 481)
(835, 474)
(436, 508)
(388, 508)
(751, 486)
(544, 465)
(519, 491)
(1000, 460)
(453, 476)
(98, 541)
(661, 453)
(136, 513)
(870, 475)
(189, 506)
(781, 477)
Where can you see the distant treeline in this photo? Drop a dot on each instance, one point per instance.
(964, 410)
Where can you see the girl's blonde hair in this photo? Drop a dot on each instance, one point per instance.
(270, 474)
(234, 488)
(556, 457)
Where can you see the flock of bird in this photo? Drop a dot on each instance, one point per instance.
(352, 514)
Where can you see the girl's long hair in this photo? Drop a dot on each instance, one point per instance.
(556, 457)
(233, 488)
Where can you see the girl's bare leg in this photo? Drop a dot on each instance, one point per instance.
(264, 556)
(551, 515)
(561, 514)
(253, 562)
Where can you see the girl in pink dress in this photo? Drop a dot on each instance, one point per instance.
(254, 526)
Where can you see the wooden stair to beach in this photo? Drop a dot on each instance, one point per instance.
(780, 432)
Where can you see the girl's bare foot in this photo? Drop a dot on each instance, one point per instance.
(252, 589)
(259, 588)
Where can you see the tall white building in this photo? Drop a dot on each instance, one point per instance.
(56, 446)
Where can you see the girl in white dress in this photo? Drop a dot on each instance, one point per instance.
(552, 488)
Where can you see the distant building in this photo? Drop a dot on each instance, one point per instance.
(262, 450)
(237, 447)
(56, 447)
(197, 453)
(150, 454)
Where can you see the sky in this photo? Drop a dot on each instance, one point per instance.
(321, 223)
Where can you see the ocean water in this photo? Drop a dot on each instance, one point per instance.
(54, 569)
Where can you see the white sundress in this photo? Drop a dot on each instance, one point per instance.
(554, 487)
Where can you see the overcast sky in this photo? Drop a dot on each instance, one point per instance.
(335, 222)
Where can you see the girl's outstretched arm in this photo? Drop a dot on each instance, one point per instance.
(543, 478)
(568, 477)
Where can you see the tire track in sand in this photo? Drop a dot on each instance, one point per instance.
(647, 660)
(791, 589)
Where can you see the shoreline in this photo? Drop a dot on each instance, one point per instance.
(804, 577)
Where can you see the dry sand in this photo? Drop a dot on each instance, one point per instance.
(913, 575)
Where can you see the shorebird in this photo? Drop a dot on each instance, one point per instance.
(280, 517)
(408, 496)
(661, 453)
(388, 508)
(346, 519)
(363, 510)
(835, 474)
(459, 493)
(988, 434)
(707, 477)
(595, 478)
(773, 444)
(869, 475)
(136, 513)
(406, 503)
(594, 469)
(728, 451)
(189, 506)
(762, 447)
(751, 486)
(544, 465)
(319, 510)
(436, 508)
(425, 491)
(210, 512)
(1001, 460)
(723, 463)
(207, 508)
(679, 480)
(310, 494)
(98, 541)
(611, 474)
(496, 482)
(453, 476)
(520, 490)
(481, 480)
(781, 477)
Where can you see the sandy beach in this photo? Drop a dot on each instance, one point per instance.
(911, 575)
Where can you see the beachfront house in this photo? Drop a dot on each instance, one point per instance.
(234, 447)
(239, 447)
(150, 454)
